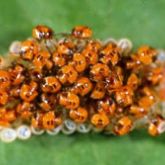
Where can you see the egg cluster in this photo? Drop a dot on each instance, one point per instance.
(52, 78)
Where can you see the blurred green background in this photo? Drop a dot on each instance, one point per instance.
(143, 21)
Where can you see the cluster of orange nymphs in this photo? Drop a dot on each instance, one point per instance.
(66, 82)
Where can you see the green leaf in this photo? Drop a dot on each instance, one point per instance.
(140, 20)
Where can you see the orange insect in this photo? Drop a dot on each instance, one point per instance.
(156, 126)
(7, 116)
(79, 115)
(98, 91)
(10, 115)
(29, 49)
(133, 81)
(51, 85)
(90, 55)
(110, 54)
(83, 86)
(28, 92)
(35, 75)
(107, 105)
(67, 74)
(3, 97)
(17, 75)
(113, 81)
(119, 71)
(137, 111)
(90, 52)
(79, 62)
(64, 51)
(99, 71)
(124, 96)
(65, 47)
(41, 32)
(48, 101)
(48, 120)
(93, 46)
(123, 126)
(4, 79)
(146, 54)
(82, 32)
(25, 110)
(59, 59)
(15, 92)
(156, 75)
(69, 100)
(100, 120)
(36, 120)
(41, 60)
(148, 99)
(3, 122)
(133, 63)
